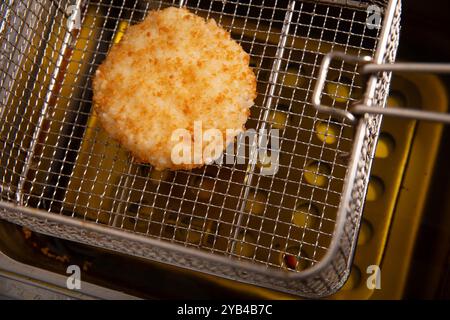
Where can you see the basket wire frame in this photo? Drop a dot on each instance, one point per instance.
(55, 157)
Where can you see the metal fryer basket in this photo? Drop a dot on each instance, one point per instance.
(294, 231)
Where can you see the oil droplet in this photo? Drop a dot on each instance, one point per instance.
(277, 119)
(340, 92)
(316, 174)
(306, 216)
(327, 132)
(385, 146)
(375, 189)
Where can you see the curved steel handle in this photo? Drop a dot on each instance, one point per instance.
(320, 83)
(370, 68)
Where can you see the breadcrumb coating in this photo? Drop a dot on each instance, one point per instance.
(170, 70)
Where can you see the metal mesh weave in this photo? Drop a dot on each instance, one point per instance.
(57, 159)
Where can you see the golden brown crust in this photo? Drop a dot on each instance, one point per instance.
(172, 69)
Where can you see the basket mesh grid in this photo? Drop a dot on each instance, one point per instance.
(55, 156)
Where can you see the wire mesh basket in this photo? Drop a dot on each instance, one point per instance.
(295, 231)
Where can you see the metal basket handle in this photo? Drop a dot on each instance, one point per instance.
(368, 67)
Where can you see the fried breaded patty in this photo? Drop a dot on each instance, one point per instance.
(167, 72)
